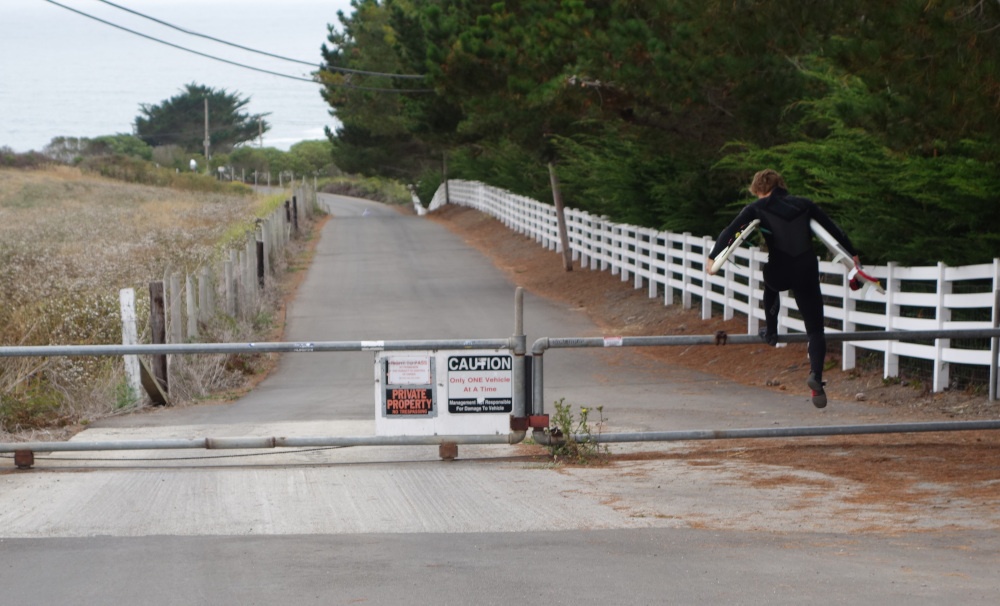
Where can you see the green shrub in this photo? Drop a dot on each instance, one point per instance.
(36, 408)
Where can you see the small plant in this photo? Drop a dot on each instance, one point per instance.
(125, 396)
(37, 408)
(572, 438)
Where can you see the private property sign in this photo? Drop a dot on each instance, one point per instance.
(409, 388)
(465, 392)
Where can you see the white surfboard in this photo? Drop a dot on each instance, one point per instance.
(741, 235)
(841, 255)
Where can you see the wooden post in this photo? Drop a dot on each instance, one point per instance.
(560, 219)
(206, 292)
(264, 237)
(130, 336)
(295, 214)
(260, 264)
(249, 276)
(192, 309)
(158, 328)
(230, 277)
(176, 316)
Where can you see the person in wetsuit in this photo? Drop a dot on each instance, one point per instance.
(792, 264)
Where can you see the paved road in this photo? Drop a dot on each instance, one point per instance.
(386, 525)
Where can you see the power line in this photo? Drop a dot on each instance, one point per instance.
(345, 70)
(237, 64)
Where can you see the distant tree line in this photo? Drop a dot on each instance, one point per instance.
(656, 112)
(171, 134)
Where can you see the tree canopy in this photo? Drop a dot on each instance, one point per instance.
(656, 112)
(180, 120)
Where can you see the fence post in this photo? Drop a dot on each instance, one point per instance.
(586, 241)
(264, 240)
(249, 275)
(668, 276)
(706, 286)
(560, 219)
(652, 289)
(176, 314)
(943, 315)
(614, 239)
(848, 352)
(206, 299)
(603, 227)
(685, 274)
(753, 287)
(261, 262)
(638, 251)
(130, 336)
(158, 328)
(192, 308)
(227, 270)
(629, 258)
(995, 341)
(892, 286)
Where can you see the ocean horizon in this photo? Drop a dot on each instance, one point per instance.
(66, 75)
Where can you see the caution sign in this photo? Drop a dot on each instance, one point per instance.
(480, 383)
(409, 401)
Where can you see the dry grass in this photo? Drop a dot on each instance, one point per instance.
(68, 243)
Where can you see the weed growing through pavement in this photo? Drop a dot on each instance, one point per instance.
(572, 438)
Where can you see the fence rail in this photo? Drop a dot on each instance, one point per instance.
(672, 265)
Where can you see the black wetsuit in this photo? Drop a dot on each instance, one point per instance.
(792, 263)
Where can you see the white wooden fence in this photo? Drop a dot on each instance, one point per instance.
(669, 265)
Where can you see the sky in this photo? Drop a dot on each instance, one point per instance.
(63, 74)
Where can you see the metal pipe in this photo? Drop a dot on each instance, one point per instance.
(238, 348)
(770, 432)
(246, 443)
(519, 341)
(667, 340)
(538, 376)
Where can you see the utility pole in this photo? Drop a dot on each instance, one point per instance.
(260, 132)
(560, 219)
(208, 140)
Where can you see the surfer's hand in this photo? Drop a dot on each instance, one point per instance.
(708, 266)
(857, 262)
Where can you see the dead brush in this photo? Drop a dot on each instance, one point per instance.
(68, 243)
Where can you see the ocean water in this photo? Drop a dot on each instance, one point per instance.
(62, 74)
